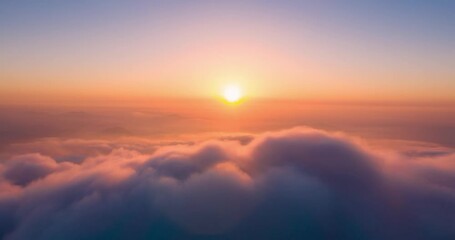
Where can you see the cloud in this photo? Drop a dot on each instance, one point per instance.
(23, 169)
(293, 184)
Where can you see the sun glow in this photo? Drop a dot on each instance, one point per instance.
(232, 93)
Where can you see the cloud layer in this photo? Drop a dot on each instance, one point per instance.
(294, 184)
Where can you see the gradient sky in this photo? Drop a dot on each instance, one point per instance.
(337, 50)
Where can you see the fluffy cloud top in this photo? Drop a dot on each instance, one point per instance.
(294, 184)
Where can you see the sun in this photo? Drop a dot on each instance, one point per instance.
(232, 93)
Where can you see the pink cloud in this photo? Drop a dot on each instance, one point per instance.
(291, 184)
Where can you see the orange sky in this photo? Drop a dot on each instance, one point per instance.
(71, 53)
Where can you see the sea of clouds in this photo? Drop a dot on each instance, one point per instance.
(295, 184)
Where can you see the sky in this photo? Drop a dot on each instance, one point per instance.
(315, 50)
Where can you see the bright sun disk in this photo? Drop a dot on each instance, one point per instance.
(232, 93)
